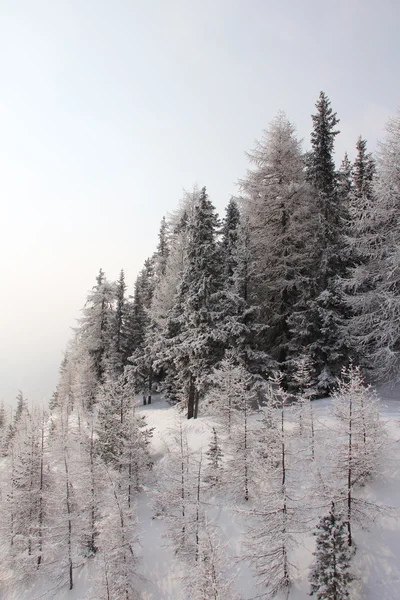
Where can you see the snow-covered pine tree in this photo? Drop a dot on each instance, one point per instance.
(275, 522)
(22, 407)
(3, 425)
(375, 284)
(90, 497)
(317, 323)
(302, 377)
(357, 283)
(241, 468)
(213, 471)
(118, 350)
(118, 577)
(114, 402)
(230, 382)
(209, 580)
(330, 576)
(139, 323)
(24, 507)
(176, 495)
(279, 206)
(357, 444)
(237, 324)
(94, 331)
(193, 347)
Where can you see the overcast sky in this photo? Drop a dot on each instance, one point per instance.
(109, 108)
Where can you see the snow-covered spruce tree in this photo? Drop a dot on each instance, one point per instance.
(375, 300)
(122, 436)
(118, 348)
(114, 402)
(166, 283)
(144, 358)
(357, 444)
(330, 576)
(22, 407)
(358, 283)
(230, 381)
(237, 323)
(275, 522)
(139, 323)
(192, 346)
(94, 331)
(24, 506)
(213, 471)
(3, 425)
(278, 205)
(317, 323)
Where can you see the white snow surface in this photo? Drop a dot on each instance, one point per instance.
(376, 563)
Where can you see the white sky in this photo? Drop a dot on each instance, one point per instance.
(108, 109)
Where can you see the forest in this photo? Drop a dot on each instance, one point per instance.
(237, 327)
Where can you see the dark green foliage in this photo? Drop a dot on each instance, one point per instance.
(330, 576)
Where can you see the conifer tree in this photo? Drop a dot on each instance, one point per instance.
(374, 281)
(139, 323)
(330, 576)
(357, 444)
(94, 330)
(278, 204)
(118, 348)
(272, 535)
(22, 407)
(213, 470)
(193, 346)
(318, 323)
(358, 282)
(237, 323)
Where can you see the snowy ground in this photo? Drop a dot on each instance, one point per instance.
(377, 561)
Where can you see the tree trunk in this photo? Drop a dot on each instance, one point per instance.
(190, 412)
(349, 475)
(40, 532)
(150, 385)
(196, 403)
(69, 539)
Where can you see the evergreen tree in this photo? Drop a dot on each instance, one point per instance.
(22, 407)
(358, 282)
(95, 326)
(318, 322)
(278, 204)
(357, 443)
(330, 576)
(275, 518)
(237, 323)
(230, 241)
(193, 346)
(374, 282)
(139, 323)
(118, 348)
(213, 471)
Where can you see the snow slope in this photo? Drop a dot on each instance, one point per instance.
(376, 563)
